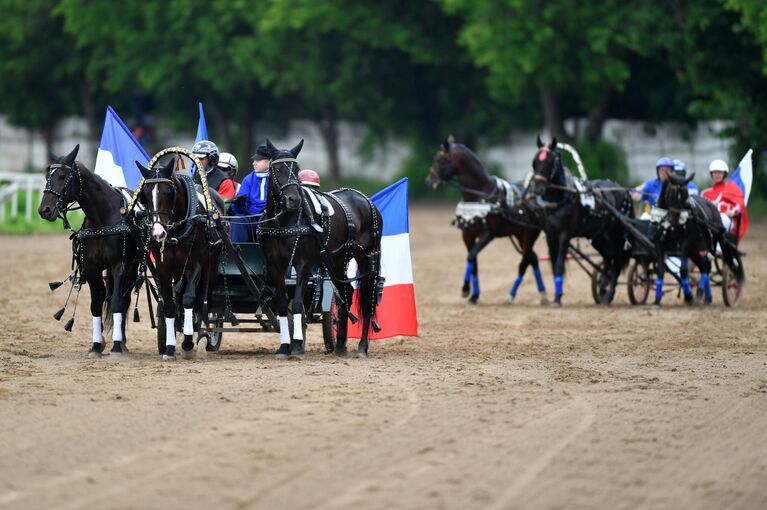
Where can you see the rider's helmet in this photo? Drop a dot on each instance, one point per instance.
(206, 148)
(680, 169)
(309, 178)
(719, 165)
(228, 163)
(663, 162)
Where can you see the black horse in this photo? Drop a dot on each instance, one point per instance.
(353, 232)
(575, 208)
(186, 250)
(106, 241)
(693, 226)
(490, 208)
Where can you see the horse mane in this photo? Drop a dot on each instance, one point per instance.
(472, 157)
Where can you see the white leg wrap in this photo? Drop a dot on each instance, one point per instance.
(298, 331)
(284, 333)
(188, 322)
(170, 331)
(98, 335)
(117, 329)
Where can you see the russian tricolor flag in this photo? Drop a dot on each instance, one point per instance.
(396, 314)
(743, 176)
(118, 152)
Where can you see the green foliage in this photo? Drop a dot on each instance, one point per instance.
(20, 225)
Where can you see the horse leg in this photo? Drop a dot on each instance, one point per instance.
(165, 283)
(303, 274)
(346, 291)
(469, 240)
(118, 304)
(188, 300)
(660, 269)
(98, 297)
(683, 272)
(472, 262)
(368, 296)
(700, 259)
(281, 298)
(558, 252)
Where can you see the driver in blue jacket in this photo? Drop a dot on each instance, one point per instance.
(250, 199)
(648, 192)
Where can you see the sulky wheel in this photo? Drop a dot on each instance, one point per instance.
(732, 289)
(598, 289)
(639, 282)
(215, 337)
(329, 321)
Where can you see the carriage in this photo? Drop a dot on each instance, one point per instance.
(241, 297)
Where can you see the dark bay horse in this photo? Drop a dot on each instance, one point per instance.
(354, 231)
(693, 225)
(574, 208)
(490, 208)
(185, 248)
(106, 241)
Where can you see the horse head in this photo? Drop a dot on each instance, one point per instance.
(674, 195)
(546, 167)
(442, 169)
(63, 185)
(159, 193)
(284, 185)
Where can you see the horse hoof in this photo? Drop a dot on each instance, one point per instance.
(118, 350)
(298, 356)
(187, 354)
(544, 301)
(94, 354)
(656, 306)
(509, 299)
(169, 357)
(556, 304)
(473, 300)
(465, 292)
(283, 352)
(340, 353)
(362, 355)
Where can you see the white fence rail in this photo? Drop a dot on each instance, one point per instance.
(11, 184)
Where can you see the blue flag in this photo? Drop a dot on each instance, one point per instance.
(118, 152)
(202, 128)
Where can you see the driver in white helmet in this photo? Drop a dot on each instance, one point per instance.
(228, 164)
(728, 198)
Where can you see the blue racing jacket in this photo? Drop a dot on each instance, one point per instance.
(255, 188)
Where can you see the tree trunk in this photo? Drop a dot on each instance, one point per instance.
(329, 131)
(222, 122)
(596, 119)
(86, 98)
(551, 114)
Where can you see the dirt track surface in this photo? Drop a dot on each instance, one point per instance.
(494, 406)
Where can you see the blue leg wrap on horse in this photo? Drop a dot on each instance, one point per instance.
(658, 288)
(539, 279)
(705, 282)
(686, 287)
(558, 285)
(515, 287)
(475, 285)
(469, 271)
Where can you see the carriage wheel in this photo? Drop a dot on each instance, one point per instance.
(215, 337)
(160, 329)
(732, 289)
(597, 290)
(329, 321)
(693, 276)
(639, 282)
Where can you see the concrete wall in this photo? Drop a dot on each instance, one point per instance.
(21, 149)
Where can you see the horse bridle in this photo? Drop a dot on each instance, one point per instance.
(73, 172)
(292, 178)
(155, 216)
(542, 156)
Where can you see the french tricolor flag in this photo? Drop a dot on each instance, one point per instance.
(118, 152)
(396, 314)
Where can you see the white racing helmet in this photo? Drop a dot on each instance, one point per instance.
(227, 162)
(719, 165)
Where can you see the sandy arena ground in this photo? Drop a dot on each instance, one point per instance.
(494, 406)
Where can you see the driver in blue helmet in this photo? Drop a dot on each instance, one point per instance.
(648, 192)
(680, 170)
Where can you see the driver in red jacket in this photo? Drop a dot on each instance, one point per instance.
(728, 198)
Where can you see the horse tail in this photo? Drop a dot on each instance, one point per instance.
(107, 321)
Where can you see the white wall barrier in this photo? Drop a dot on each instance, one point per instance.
(11, 184)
